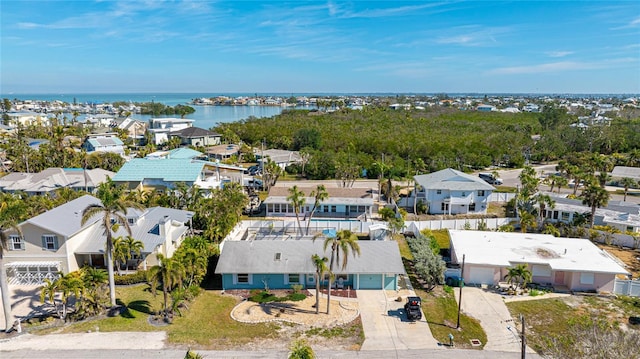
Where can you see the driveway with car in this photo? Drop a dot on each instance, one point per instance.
(386, 326)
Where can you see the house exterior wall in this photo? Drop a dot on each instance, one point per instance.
(437, 198)
(602, 282)
(258, 281)
(338, 210)
(34, 251)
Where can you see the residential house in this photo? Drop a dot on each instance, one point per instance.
(52, 179)
(223, 152)
(622, 216)
(565, 263)
(135, 129)
(453, 192)
(197, 137)
(56, 241)
(253, 264)
(164, 172)
(160, 128)
(620, 172)
(342, 203)
(104, 142)
(282, 158)
(26, 118)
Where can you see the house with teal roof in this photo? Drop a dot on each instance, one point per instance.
(162, 171)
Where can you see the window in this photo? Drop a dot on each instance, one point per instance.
(555, 214)
(334, 209)
(50, 242)
(481, 193)
(242, 278)
(464, 194)
(586, 278)
(276, 208)
(565, 216)
(294, 278)
(444, 206)
(15, 243)
(325, 209)
(439, 191)
(277, 256)
(541, 271)
(472, 206)
(131, 221)
(629, 228)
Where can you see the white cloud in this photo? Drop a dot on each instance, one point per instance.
(542, 68)
(473, 35)
(559, 53)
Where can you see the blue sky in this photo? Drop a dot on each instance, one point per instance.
(334, 46)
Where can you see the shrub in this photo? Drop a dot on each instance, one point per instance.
(133, 278)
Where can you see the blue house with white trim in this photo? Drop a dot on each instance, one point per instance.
(277, 264)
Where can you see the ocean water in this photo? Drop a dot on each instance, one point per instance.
(205, 116)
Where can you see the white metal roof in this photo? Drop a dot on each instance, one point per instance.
(506, 249)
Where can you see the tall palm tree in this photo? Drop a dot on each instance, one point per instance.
(343, 243)
(319, 195)
(627, 183)
(595, 196)
(544, 201)
(169, 274)
(320, 263)
(527, 220)
(9, 211)
(112, 210)
(297, 199)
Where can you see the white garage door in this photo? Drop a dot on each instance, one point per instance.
(481, 275)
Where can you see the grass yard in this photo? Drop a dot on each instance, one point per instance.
(549, 318)
(441, 311)
(206, 324)
(442, 237)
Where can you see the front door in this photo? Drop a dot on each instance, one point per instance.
(559, 278)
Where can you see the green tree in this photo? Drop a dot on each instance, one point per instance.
(10, 211)
(319, 195)
(344, 243)
(320, 264)
(168, 274)
(595, 196)
(112, 210)
(307, 137)
(519, 275)
(527, 220)
(297, 200)
(627, 183)
(68, 286)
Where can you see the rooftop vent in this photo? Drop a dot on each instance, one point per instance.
(277, 256)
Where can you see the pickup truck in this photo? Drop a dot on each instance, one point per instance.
(412, 307)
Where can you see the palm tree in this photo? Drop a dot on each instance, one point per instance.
(595, 196)
(125, 248)
(544, 201)
(168, 274)
(320, 263)
(112, 211)
(9, 212)
(627, 183)
(520, 275)
(344, 242)
(527, 220)
(319, 195)
(297, 199)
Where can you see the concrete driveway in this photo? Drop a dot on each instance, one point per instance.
(489, 308)
(386, 327)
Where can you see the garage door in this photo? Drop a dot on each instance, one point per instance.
(32, 273)
(481, 275)
(370, 281)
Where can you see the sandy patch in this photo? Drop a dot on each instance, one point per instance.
(301, 312)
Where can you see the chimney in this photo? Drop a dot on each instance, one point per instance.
(164, 226)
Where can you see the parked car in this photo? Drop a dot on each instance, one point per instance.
(490, 178)
(412, 307)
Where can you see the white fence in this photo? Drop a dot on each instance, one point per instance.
(618, 239)
(627, 287)
(501, 197)
(489, 223)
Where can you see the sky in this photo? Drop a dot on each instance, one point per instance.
(319, 47)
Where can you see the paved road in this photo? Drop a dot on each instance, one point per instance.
(386, 327)
(179, 354)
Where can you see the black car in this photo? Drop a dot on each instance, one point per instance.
(412, 307)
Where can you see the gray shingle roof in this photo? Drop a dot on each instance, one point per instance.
(65, 219)
(450, 179)
(260, 257)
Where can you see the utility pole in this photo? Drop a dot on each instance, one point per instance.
(461, 284)
(523, 339)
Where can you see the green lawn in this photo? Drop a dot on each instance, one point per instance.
(441, 311)
(206, 324)
(442, 236)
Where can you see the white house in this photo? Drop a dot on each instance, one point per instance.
(52, 179)
(160, 128)
(624, 216)
(56, 241)
(104, 142)
(26, 118)
(565, 263)
(453, 192)
(342, 203)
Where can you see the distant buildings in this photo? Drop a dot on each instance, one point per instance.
(52, 179)
(160, 128)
